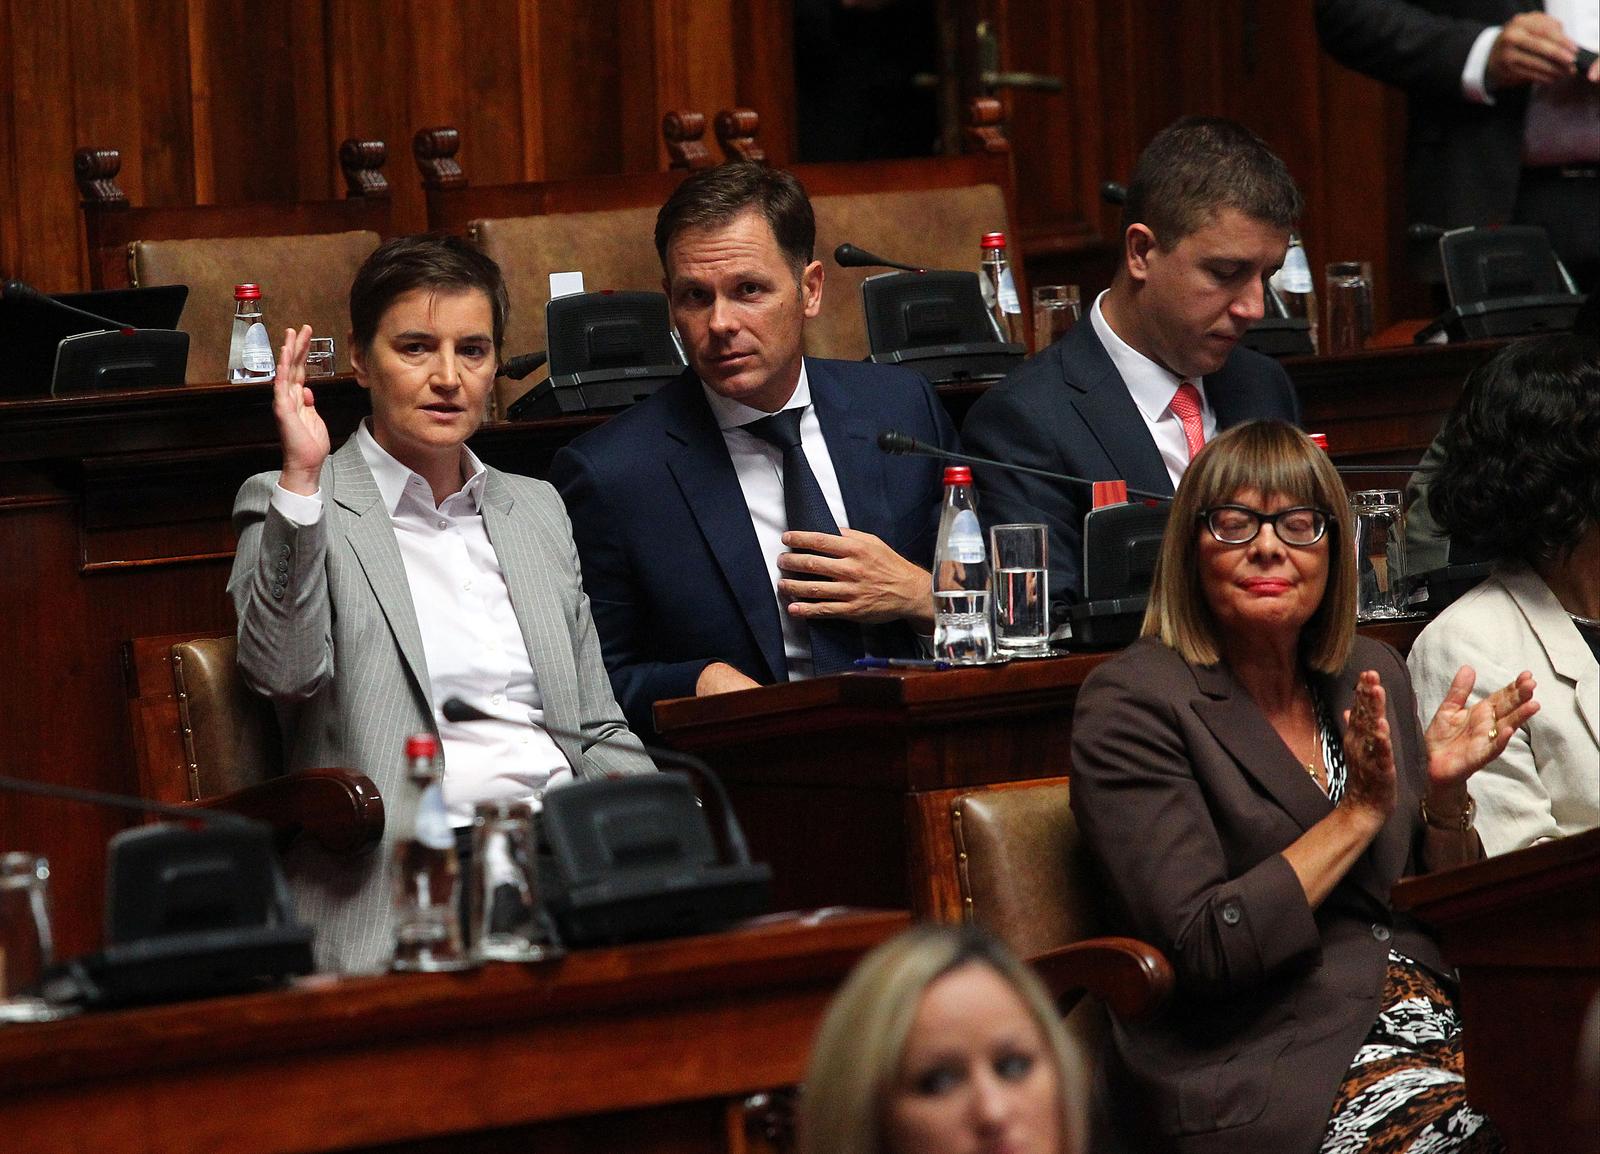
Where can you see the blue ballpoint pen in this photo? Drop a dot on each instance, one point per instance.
(901, 663)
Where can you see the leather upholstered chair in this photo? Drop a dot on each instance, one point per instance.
(1024, 876)
(304, 254)
(202, 738)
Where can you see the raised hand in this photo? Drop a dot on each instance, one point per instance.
(301, 430)
(1462, 739)
(1368, 753)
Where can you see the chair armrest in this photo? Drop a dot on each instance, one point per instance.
(1132, 977)
(339, 810)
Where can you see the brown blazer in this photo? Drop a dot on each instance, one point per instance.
(1187, 797)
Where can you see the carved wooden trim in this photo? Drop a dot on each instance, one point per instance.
(362, 163)
(736, 132)
(684, 131)
(985, 130)
(435, 152)
(95, 170)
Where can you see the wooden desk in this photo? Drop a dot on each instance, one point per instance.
(650, 1048)
(114, 522)
(1523, 930)
(843, 784)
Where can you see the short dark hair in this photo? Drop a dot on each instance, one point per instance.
(714, 196)
(1521, 471)
(1200, 165)
(430, 260)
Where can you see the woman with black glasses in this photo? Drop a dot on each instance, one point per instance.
(1252, 778)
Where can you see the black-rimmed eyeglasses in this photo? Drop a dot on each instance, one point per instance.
(1239, 524)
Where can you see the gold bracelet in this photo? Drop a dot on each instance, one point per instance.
(1455, 823)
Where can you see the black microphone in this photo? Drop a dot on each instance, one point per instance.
(904, 444)
(1113, 192)
(518, 367)
(119, 801)
(848, 255)
(455, 709)
(1419, 231)
(16, 290)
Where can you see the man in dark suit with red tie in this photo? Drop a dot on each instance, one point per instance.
(741, 527)
(1135, 388)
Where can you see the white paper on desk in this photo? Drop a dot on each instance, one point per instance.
(565, 284)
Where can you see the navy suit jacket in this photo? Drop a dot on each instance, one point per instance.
(1068, 411)
(670, 560)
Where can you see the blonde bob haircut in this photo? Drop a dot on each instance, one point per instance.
(1272, 459)
(855, 1062)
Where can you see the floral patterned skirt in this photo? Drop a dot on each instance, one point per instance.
(1404, 1092)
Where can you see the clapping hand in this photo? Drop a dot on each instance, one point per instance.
(1462, 739)
(301, 430)
(1369, 753)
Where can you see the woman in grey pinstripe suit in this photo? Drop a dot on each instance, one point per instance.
(374, 582)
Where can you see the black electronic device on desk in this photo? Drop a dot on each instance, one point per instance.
(83, 342)
(932, 321)
(1120, 546)
(192, 910)
(607, 350)
(936, 324)
(1503, 281)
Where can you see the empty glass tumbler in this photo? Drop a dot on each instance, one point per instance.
(509, 923)
(1380, 545)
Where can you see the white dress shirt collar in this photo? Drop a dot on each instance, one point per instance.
(393, 477)
(1152, 388)
(732, 414)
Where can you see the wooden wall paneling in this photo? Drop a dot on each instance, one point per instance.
(43, 140)
(10, 248)
(314, 156)
(763, 39)
(107, 84)
(530, 89)
(160, 48)
(696, 60)
(644, 34)
(370, 64)
(245, 51)
(583, 85)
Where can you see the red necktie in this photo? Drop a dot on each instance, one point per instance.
(1186, 407)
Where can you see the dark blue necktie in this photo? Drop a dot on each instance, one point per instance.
(834, 644)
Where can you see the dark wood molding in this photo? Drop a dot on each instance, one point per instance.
(737, 129)
(435, 152)
(362, 162)
(684, 133)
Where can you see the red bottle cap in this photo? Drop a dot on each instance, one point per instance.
(993, 240)
(1320, 440)
(957, 475)
(1110, 493)
(420, 745)
(246, 292)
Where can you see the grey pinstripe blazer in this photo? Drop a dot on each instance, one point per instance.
(328, 632)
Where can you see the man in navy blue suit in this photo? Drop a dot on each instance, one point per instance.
(1155, 369)
(741, 527)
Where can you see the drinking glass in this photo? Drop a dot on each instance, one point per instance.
(509, 924)
(319, 357)
(1349, 306)
(1055, 310)
(1021, 589)
(1380, 545)
(25, 945)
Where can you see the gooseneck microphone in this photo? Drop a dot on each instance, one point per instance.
(16, 290)
(903, 444)
(848, 255)
(455, 709)
(220, 817)
(518, 367)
